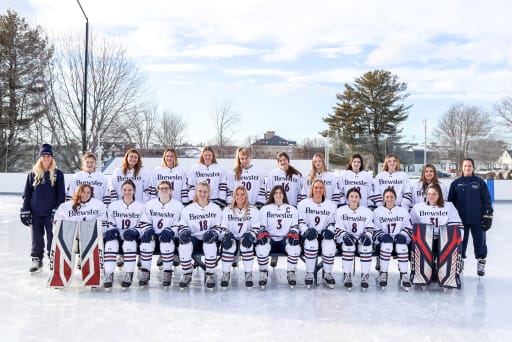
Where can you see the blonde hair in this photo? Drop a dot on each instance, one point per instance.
(86, 156)
(205, 184)
(38, 171)
(385, 167)
(173, 151)
(312, 174)
(238, 166)
(313, 184)
(246, 202)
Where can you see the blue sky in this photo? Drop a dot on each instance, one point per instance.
(281, 63)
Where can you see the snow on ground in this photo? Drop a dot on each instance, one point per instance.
(32, 312)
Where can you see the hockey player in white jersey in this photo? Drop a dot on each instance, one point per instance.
(209, 171)
(316, 225)
(392, 231)
(199, 231)
(159, 225)
(82, 206)
(356, 177)
(240, 225)
(391, 176)
(319, 171)
(288, 177)
(428, 176)
(131, 169)
(89, 175)
(279, 233)
(123, 216)
(172, 172)
(250, 176)
(354, 225)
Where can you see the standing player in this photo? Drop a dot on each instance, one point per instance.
(288, 177)
(240, 222)
(44, 192)
(175, 174)
(391, 176)
(319, 171)
(89, 175)
(356, 177)
(392, 231)
(316, 224)
(279, 233)
(354, 225)
(428, 176)
(472, 199)
(199, 230)
(131, 169)
(212, 173)
(123, 216)
(159, 226)
(250, 176)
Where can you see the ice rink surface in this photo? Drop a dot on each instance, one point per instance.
(480, 311)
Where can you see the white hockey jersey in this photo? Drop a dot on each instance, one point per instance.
(96, 179)
(253, 179)
(418, 196)
(122, 216)
(332, 191)
(397, 180)
(177, 176)
(160, 216)
(316, 215)
(362, 180)
(199, 219)
(92, 210)
(292, 187)
(142, 184)
(238, 222)
(355, 222)
(391, 221)
(214, 174)
(278, 220)
(436, 216)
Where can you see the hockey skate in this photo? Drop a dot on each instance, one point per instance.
(292, 278)
(37, 266)
(263, 279)
(248, 279)
(480, 267)
(109, 280)
(120, 260)
(383, 280)
(329, 280)
(347, 281)
(364, 280)
(309, 280)
(185, 280)
(405, 282)
(166, 278)
(209, 281)
(224, 283)
(127, 281)
(144, 276)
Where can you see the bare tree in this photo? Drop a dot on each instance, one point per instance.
(225, 120)
(504, 109)
(459, 126)
(170, 132)
(143, 125)
(487, 150)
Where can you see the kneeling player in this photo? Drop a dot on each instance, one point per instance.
(316, 224)
(354, 224)
(199, 231)
(279, 233)
(392, 231)
(159, 226)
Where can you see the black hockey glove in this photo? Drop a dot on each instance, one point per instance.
(293, 238)
(210, 236)
(111, 234)
(227, 240)
(148, 235)
(248, 239)
(386, 238)
(327, 234)
(311, 234)
(166, 235)
(26, 217)
(486, 222)
(130, 235)
(185, 236)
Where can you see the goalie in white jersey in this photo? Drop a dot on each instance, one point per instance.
(279, 233)
(82, 206)
(392, 231)
(159, 225)
(250, 176)
(89, 175)
(241, 224)
(175, 174)
(428, 176)
(288, 177)
(131, 169)
(207, 170)
(319, 171)
(356, 177)
(316, 225)
(354, 226)
(391, 176)
(199, 231)
(123, 216)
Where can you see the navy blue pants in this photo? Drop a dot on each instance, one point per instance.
(40, 224)
(479, 240)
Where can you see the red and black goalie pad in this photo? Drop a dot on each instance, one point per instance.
(62, 258)
(450, 257)
(422, 258)
(91, 253)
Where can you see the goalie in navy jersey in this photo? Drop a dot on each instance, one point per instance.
(279, 233)
(316, 224)
(199, 231)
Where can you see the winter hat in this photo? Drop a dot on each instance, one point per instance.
(45, 150)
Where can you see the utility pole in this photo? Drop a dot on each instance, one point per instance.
(86, 62)
(425, 144)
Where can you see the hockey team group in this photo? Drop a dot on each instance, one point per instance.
(179, 214)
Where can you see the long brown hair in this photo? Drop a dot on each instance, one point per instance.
(440, 199)
(291, 170)
(271, 199)
(423, 180)
(78, 193)
(385, 167)
(355, 156)
(125, 164)
(205, 149)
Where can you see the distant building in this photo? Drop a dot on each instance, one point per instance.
(271, 145)
(505, 160)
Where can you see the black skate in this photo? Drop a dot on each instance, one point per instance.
(329, 280)
(480, 267)
(248, 279)
(37, 266)
(383, 280)
(185, 280)
(127, 281)
(109, 281)
(263, 279)
(144, 276)
(224, 283)
(166, 278)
